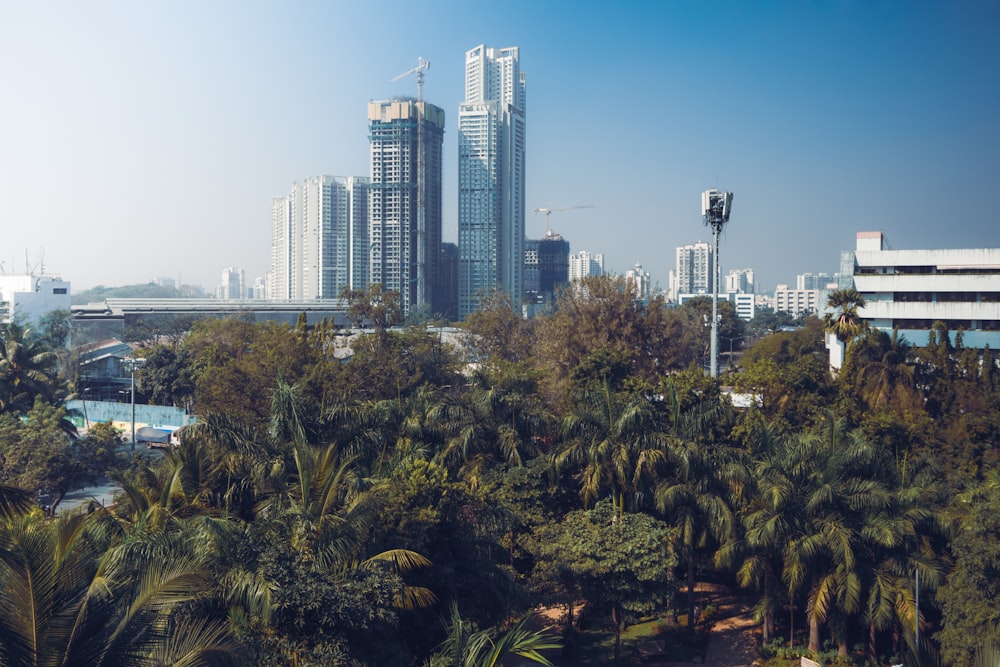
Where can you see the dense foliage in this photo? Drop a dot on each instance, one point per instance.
(409, 503)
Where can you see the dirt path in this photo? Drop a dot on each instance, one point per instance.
(732, 642)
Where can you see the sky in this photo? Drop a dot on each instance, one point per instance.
(142, 139)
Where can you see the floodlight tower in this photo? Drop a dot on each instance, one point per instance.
(715, 209)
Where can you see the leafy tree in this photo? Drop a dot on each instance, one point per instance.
(499, 334)
(621, 563)
(970, 596)
(374, 306)
(601, 313)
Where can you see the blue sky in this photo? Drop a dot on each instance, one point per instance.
(147, 139)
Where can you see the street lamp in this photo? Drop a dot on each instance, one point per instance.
(715, 209)
(730, 365)
(130, 364)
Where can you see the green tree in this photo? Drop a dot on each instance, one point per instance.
(970, 596)
(620, 563)
(844, 322)
(68, 597)
(615, 441)
(28, 369)
(466, 647)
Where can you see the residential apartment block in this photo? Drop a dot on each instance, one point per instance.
(491, 162)
(406, 138)
(313, 231)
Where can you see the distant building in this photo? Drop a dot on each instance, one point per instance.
(546, 267)
(744, 304)
(449, 281)
(583, 264)
(814, 281)
(796, 302)
(491, 163)
(641, 282)
(740, 281)
(26, 298)
(406, 137)
(233, 284)
(693, 272)
(313, 232)
(910, 290)
(258, 291)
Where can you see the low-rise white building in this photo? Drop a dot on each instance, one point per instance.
(745, 304)
(910, 290)
(25, 298)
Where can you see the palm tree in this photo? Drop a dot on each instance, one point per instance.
(703, 478)
(882, 372)
(70, 597)
(28, 368)
(844, 323)
(616, 441)
(502, 419)
(466, 647)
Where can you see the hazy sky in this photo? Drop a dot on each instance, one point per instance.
(142, 139)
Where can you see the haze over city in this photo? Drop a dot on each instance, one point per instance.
(142, 140)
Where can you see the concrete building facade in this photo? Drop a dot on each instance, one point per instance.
(797, 302)
(404, 206)
(491, 176)
(910, 290)
(26, 298)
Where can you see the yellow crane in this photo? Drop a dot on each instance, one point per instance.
(548, 211)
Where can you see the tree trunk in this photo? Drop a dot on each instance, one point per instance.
(871, 640)
(813, 633)
(617, 620)
(690, 583)
(570, 631)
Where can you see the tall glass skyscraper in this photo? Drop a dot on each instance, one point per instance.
(491, 136)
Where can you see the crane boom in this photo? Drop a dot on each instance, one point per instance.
(548, 211)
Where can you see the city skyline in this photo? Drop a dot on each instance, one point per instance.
(143, 141)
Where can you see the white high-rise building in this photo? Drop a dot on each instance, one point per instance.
(740, 281)
(641, 282)
(491, 150)
(583, 264)
(313, 231)
(693, 274)
(233, 284)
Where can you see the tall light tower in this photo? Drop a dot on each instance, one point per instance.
(715, 209)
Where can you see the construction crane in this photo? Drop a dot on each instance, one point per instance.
(548, 211)
(419, 71)
(422, 66)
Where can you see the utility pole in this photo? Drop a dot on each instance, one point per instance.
(715, 209)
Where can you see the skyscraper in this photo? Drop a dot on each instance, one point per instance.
(694, 269)
(491, 148)
(233, 284)
(405, 138)
(313, 232)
